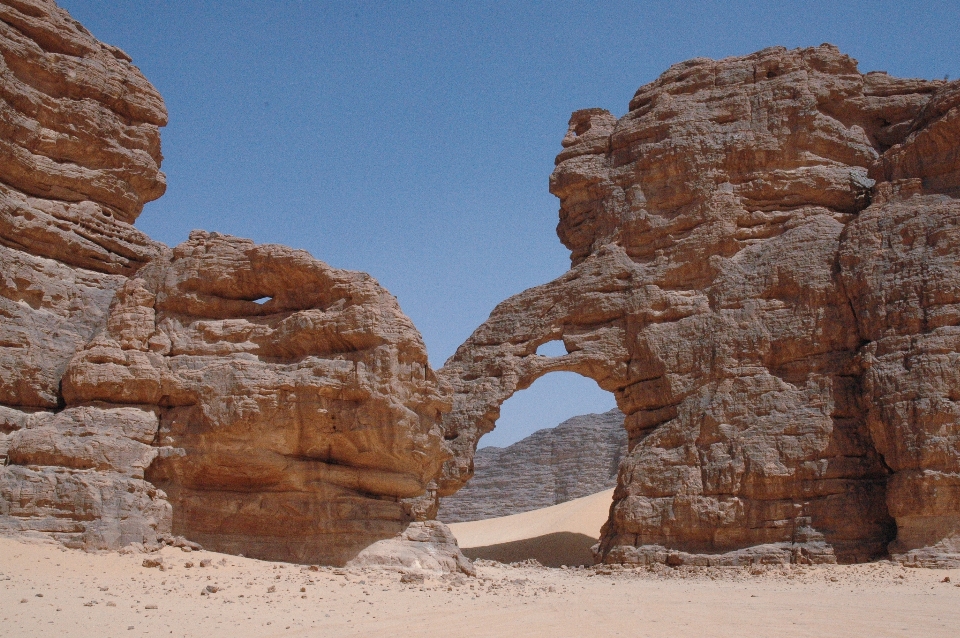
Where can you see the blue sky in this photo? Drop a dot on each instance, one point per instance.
(414, 140)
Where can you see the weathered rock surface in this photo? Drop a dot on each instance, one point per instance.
(764, 265)
(422, 546)
(248, 397)
(288, 429)
(577, 458)
(79, 157)
(765, 258)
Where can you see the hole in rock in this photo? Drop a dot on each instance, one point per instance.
(540, 491)
(553, 348)
(549, 401)
(262, 300)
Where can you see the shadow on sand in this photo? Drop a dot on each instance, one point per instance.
(551, 550)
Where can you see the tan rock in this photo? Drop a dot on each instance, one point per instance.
(296, 425)
(705, 227)
(79, 156)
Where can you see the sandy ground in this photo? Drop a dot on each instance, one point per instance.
(49, 591)
(554, 536)
(580, 516)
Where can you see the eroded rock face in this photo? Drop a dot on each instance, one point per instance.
(249, 397)
(79, 157)
(290, 428)
(782, 348)
(578, 457)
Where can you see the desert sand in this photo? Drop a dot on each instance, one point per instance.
(46, 590)
(555, 536)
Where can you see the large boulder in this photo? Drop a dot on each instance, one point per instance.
(296, 406)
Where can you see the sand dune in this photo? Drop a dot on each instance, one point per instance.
(557, 535)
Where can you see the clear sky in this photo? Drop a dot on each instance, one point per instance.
(414, 140)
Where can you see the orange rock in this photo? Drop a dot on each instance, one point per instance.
(756, 318)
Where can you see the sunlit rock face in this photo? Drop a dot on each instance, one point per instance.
(79, 157)
(290, 428)
(765, 253)
(247, 397)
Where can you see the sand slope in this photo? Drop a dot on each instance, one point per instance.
(556, 535)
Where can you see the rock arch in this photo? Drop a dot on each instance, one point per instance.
(726, 243)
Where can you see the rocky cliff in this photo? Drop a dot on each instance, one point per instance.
(577, 458)
(765, 273)
(765, 258)
(79, 157)
(247, 397)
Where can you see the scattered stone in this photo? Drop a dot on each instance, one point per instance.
(153, 561)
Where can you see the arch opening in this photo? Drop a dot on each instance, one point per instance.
(555, 348)
(543, 478)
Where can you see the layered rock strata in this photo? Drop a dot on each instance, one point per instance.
(248, 397)
(79, 157)
(765, 257)
(577, 458)
(296, 407)
(764, 273)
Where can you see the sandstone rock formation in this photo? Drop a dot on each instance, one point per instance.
(577, 458)
(765, 253)
(765, 258)
(79, 157)
(248, 397)
(288, 429)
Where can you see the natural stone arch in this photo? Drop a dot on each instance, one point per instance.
(707, 293)
(501, 358)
